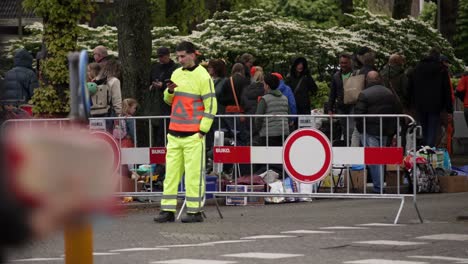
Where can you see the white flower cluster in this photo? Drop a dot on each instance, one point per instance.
(275, 40)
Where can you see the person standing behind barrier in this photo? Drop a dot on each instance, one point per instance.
(107, 101)
(101, 55)
(192, 97)
(395, 78)
(217, 71)
(302, 84)
(462, 93)
(254, 92)
(21, 81)
(272, 103)
(376, 99)
(160, 72)
(247, 60)
(230, 98)
(429, 92)
(336, 103)
(286, 91)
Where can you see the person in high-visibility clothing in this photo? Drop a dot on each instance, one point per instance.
(191, 94)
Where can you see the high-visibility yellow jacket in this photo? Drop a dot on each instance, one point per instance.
(193, 102)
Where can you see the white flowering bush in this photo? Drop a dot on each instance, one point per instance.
(276, 40)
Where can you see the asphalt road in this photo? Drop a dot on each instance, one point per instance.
(323, 231)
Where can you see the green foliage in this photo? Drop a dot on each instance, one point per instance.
(47, 102)
(322, 94)
(429, 14)
(60, 35)
(461, 38)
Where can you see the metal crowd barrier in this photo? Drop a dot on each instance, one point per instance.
(233, 141)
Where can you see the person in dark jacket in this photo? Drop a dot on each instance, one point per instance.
(254, 92)
(19, 82)
(336, 96)
(228, 99)
(376, 99)
(286, 91)
(430, 93)
(302, 84)
(157, 107)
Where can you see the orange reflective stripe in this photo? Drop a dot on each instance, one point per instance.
(187, 111)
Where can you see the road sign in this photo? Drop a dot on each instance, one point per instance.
(307, 155)
(110, 140)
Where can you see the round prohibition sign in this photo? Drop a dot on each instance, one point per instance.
(307, 155)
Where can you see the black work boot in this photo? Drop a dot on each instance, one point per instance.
(164, 217)
(192, 218)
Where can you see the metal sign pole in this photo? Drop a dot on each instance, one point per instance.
(78, 235)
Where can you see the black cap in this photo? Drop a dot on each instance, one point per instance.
(163, 51)
(444, 58)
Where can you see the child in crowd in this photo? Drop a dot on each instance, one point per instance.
(93, 71)
(124, 130)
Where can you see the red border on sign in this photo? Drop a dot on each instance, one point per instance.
(115, 146)
(328, 155)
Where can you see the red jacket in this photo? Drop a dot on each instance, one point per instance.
(463, 87)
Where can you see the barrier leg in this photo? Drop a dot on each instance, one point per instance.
(417, 210)
(79, 244)
(399, 210)
(217, 207)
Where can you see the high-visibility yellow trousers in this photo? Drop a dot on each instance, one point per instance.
(184, 154)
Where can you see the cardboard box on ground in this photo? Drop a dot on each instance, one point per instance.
(452, 184)
(239, 200)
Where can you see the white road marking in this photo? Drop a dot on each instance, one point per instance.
(193, 261)
(101, 254)
(224, 242)
(104, 254)
(390, 243)
(187, 245)
(460, 260)
(343, 228)
(137, 249)
(37, 259)
(454, 237)
(380, 224)
(261, 255)
(307, 232)
(267, 236)
(383, 261)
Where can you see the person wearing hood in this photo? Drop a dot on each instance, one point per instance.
(429, 92)
(272, 103)
(286, 91)
(394, 78)
(20, 82)
(302, 85)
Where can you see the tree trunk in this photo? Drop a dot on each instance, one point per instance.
(401, 9)
(346, 6)
(448, 18)
(134, 40)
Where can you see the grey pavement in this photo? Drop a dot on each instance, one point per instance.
(135, 238)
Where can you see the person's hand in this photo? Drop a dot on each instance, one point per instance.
(291, 123)
(171, 86)
(242, 119)
(330, 112)
(156, 85)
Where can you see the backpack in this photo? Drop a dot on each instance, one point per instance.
(427, 179)
(101, 99)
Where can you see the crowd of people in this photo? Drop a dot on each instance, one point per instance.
(424, 92)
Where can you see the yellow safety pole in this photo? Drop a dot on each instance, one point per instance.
(79, 243)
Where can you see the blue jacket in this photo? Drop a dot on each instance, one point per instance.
(20, 82)
(286, 91)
